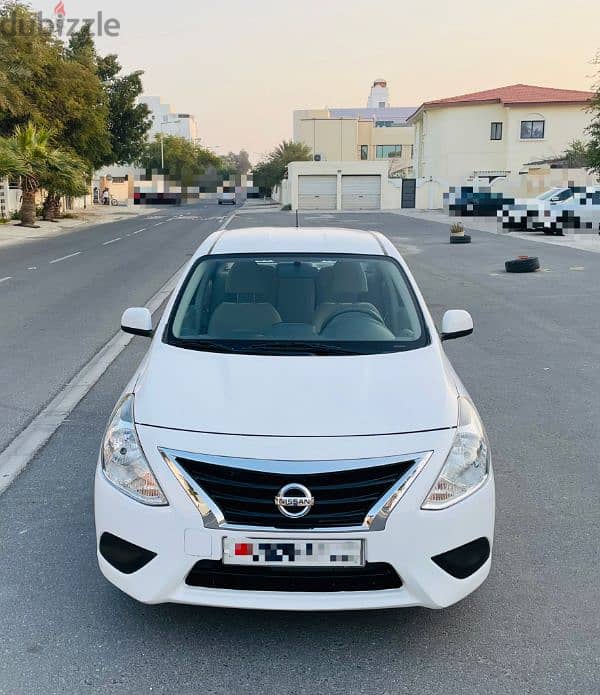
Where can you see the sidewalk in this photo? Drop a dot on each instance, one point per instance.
(11, 233)
(583, 242)
(259, 205)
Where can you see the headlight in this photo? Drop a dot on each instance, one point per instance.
(468, 464)
(123, 460)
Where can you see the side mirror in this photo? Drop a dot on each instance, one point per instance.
(137, 321)
(456, 324)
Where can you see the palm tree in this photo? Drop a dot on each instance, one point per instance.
(270, 171)
(25, 154)
(65, 174)
(288, 151)
(29, 154)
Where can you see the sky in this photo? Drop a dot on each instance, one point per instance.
(242, 66)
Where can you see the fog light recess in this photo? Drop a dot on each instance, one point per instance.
(464, 561)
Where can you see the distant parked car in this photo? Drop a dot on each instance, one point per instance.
(527, 214)
(468, 201)
(581, 211)
(226, 196)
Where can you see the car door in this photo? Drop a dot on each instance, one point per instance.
(594, 211)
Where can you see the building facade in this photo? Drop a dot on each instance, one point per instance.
(358, 185)
(377, 132)
(490, 137)
(359, 155)
(168, 121)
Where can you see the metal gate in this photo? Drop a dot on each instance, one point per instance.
(317, 192)
(361, 192)
(409, 193)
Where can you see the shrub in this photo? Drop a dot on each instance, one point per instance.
(457, 229)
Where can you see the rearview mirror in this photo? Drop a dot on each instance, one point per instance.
(137, 321)
(456, 324)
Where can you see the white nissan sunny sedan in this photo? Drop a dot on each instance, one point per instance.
(295, 438)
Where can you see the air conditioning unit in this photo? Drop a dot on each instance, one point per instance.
(319, 157)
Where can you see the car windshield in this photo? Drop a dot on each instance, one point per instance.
(297, 304)
(554, 193)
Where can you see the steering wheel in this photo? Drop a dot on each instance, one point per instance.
(372, 313)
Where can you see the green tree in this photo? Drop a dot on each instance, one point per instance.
(84, 99)
(29, 154)
(593, 148)
(64, 174)
(184, 160)
(271, 170)
(233, 163)
(127, 122)
(51, 89)
(289, 151)
(577, 155)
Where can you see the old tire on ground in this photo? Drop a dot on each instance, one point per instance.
(523, 264)
(465, 239)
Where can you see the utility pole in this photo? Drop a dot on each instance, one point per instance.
(165, 121)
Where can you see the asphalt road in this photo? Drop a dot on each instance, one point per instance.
(533, 368)
(61, 298)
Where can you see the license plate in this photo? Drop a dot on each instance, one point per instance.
(300, 553)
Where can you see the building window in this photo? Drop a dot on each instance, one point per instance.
(496, 132)
(364, 152)
(382, 104)
(384, 151)
(532, 130)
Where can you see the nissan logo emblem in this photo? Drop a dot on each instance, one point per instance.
(294, 501)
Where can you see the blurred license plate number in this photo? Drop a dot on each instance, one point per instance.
(254, 551)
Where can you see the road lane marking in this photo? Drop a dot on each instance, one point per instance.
(33, 267)
(139, 231)
(5, 279)
(64, 258)
(15, 457)
(25, 445)
(112, 241)
(158, 224)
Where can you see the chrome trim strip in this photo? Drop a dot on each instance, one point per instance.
(377, 517)
(212, 516)
(295, 436)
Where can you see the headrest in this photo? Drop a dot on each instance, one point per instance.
(245, 277)
(349, 278)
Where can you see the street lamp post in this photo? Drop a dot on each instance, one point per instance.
(165, 121)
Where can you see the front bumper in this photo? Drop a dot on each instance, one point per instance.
(411, 538)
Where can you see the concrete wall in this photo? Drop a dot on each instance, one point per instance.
(340, 139)
(390, 188)
(332, 138)
(303, 114)
(540, 178)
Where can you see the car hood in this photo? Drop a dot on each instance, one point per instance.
(296, 396)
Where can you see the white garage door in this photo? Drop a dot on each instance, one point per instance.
(317, 192)
(361, 192)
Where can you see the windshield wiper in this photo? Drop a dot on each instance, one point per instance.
(273, 347)
(205, 345)
(298, 347)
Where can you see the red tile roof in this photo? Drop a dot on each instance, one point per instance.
(515, 94)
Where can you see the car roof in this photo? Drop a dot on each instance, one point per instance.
(298, 240)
